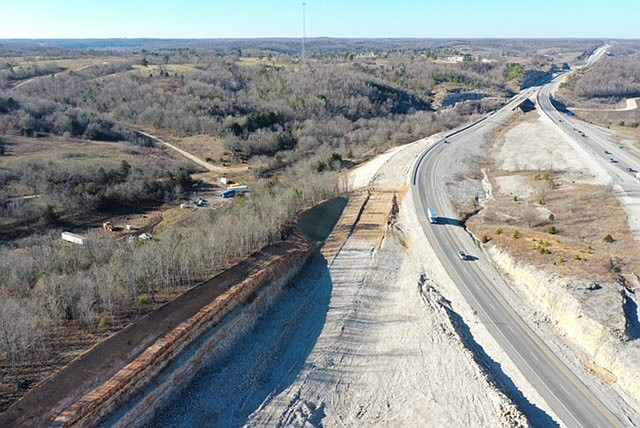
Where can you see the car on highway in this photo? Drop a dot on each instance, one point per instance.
(612, 160)
(607, 152)
(631, 170)
(462, 255)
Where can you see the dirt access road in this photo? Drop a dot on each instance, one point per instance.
(48, 76)
(206, 165)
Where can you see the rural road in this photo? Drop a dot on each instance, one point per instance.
(479, 282)
(631, 104)
(208, 166)
(50, 75)
(195, 159)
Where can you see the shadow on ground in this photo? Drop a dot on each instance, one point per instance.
(632, 327)
(262, 363)
(450, 221)
(318, 222)
(537, 417)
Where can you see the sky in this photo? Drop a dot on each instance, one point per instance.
(324, 18)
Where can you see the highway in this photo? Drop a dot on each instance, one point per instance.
(622, 164)
(479, 283)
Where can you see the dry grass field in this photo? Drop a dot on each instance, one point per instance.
(573, 242)
(555, 216)
(71, 150)
(208, 148)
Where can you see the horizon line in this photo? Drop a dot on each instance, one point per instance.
(327, 37)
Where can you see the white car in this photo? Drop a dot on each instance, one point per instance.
(462, 255)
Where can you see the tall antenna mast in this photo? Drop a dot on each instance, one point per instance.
(303, 56)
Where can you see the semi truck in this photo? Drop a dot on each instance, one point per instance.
(432, 213)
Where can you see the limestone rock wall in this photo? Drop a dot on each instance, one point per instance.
(592, 318)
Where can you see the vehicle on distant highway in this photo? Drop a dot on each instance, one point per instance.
(462, 255)
(612, 160)
(432, 213)
(631, 170)
(607, 152)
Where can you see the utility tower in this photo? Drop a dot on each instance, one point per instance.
(303, 55)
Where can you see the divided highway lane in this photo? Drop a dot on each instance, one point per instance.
(569, 398)
(594, 143)
(625, 167)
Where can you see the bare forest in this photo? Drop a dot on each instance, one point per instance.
(614, 78)
(295, 124)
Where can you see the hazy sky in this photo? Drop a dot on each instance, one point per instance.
(336, 18)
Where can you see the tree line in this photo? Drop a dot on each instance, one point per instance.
(48, 281)
(611, 79)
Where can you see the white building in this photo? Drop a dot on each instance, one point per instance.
(72, 237)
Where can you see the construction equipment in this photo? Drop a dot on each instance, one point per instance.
(108, 226)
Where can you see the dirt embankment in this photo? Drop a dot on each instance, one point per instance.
(113, 371)
(550, 222)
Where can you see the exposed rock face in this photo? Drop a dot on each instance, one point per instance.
(206, 343)
(535, 77)
(592, 316)
(454, 97)
(136, 386)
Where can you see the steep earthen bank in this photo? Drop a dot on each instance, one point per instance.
(167, 366)
(264, 346)
(134, 371)
(214, 344)
(98, 381)
(591, 316)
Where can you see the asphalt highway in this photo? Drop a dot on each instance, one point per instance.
(479, 283)
(622, 164)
